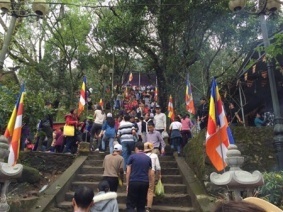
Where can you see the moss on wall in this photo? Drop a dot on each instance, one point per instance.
(254, 143)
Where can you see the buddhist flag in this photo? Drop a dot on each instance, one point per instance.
(130, 77)
(14, 129)
(83, 97)
(101, 103)
(190, 106)
(171, 114)
(126, 91)
(218, 135)
(156, 94)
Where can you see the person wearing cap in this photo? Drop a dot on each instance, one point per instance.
(113, 165)
(202, 113)
(155, 173)
(108, 133)
(104, 200)
(153, 136)
(159, 120)
(83, 199)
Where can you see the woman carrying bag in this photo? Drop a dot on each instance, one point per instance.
(71, 141)
(155, 173)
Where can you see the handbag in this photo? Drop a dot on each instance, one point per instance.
(69, 130)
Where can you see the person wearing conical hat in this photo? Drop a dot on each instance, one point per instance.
(155, 173)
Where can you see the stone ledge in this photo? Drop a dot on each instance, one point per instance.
(201, 201)
(55, 193)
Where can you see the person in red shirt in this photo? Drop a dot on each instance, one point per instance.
(71, 144)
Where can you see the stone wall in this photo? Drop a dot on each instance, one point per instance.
(254, 143)
(46, 162)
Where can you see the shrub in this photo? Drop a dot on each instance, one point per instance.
(272, 189)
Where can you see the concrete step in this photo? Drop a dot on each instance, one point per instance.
(168, 164)
(67, 206)
(88, 169)
(172, 179)
(99, 162)
(161, 208)
(92, 162)
(182, 200)
(169, 188)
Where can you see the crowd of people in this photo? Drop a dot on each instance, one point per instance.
(142, 169)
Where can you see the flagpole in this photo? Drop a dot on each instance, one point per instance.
(241, 103)
(139, 78)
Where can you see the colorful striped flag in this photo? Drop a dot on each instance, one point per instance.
(14, 129)
(218, 135)
(171, 114)
(190, 106)
(126, 92)
(83, 97)
(156, 94)
(130, 77)
(101, 103)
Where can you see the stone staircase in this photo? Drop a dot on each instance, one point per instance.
(175, 199)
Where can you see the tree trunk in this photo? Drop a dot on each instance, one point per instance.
(162, 89)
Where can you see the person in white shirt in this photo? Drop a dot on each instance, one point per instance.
(176, 136)
(155, 172)
(99, 117)
(159, 120)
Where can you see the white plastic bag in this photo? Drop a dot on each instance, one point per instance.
(164, 134)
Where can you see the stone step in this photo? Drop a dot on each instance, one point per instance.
(88, 169)
(98, 162)
(173, 179)
(99, 156)
(161, 208)
(168, 164)
(92, 162)
(67, 206)
(182, 200)
(169, 188)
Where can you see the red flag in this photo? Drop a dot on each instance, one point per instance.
(190, 106)
(156, 94)
(101, 103)
(218, 135)
(82, 101)
(14, 129)
(171, 114)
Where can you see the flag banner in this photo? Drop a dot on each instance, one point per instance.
(156, 94)
(101, 103)
(130, 77)
(126, 91)
(218, 135)
(14, 129)
(171, 114)
(83, 97)
(190, 106)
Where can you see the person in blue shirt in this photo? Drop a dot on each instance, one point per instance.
(258, 121)
(137, 178)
